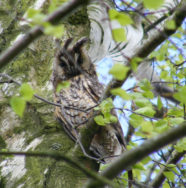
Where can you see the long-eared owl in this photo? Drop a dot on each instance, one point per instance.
(77, 101)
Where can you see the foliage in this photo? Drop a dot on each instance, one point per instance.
(146, 113)
(35, 17)
(62, 85)
(169, 63)
(105, 107)
(119, 71)
(18, 102)
(153, 4)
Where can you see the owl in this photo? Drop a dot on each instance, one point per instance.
(72, 64)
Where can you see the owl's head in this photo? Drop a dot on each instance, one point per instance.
(72, 61)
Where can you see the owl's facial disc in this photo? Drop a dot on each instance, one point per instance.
(71, 59)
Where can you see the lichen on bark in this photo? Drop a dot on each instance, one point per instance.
(38, 130)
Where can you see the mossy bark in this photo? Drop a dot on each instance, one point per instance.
(38, 130)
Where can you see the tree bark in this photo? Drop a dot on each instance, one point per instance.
(38, 130)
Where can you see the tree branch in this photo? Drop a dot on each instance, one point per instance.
(37, 31)
(59, 156)
(135, 155)
(156, 39)
(160, 178)
(148, 46)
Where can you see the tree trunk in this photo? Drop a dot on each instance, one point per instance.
(38, 130)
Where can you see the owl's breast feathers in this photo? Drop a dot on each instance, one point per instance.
(77, 102)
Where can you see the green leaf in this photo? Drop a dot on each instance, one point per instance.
(140, 134)
(99, 120)
(62, 85)
(121, 17)
(106, 105)
(159, 103)
(176, 121)
(147, 127)
(166, 185)
(36, 16)
(119, 34)
(120, 92)
(54, 4)
(136, 96)
(119, 71)
(136, 120)
(175, 112)
(183, 160)
(18, 105)
(26, 92)
(56, 31)
(136, 173)
(103, 167)
(148, 94)
(170, 24)
(161, 122)
(134, 62)
(170, 175)
(161, 125)
(139, 166)
(145, 85)
(113, 119)
(171, 165)
(147, 111)
(146, 160)
(180, 146)
(97, 108)
(164, 74)
(106, 114)
(142, 102)
(153, 4)
(173, 168)
(32, 12)
(181, 95)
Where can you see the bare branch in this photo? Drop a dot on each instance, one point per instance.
(135, 155)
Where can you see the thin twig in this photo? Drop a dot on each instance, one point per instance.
(35, 95)
(125, 109)
(45, 100)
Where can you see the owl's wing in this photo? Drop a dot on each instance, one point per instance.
(119, 134)
(77, 103)
(67, 126)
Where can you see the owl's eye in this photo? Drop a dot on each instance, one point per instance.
(62, 62)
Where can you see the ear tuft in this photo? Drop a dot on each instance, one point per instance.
(80, 44)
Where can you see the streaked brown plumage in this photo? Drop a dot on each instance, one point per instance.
(78, 100)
